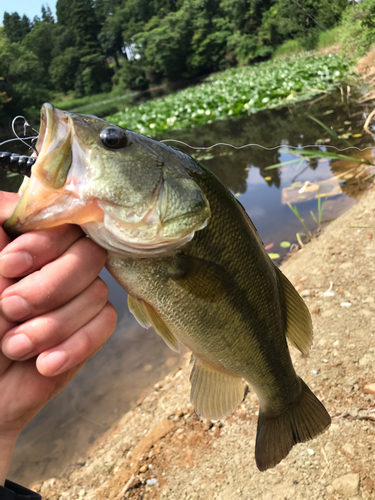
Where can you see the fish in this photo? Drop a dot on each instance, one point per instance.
(192, 262)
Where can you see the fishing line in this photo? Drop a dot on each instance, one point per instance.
(25, 125)
(264, 147)
(33, 137)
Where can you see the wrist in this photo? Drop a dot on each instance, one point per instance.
(7, 443)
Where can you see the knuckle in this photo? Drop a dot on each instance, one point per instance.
(100, 290)
(111, 316)
(44, 329)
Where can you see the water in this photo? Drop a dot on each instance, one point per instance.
(134, 358)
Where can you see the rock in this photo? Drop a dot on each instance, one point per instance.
(207, 425)
(369, 388)
(151, 482)
(367, 359)
(347, 485)
(348, 449)
(330, 449)
(47, 485)
(329, 312)
(143, 468)
(305, 293)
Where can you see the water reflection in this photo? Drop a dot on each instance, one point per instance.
(134, 358)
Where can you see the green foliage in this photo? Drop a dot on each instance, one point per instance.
(288, 48)
(131, 75)
(236, 92)
(15, 27)
(131, 44)
(358, 33)
(329, 37)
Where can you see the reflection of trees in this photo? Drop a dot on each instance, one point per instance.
(360, 179)
(289, 126)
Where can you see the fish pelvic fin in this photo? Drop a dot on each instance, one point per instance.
(138, 311)
(276, 435)
(214, 394)
(147, 316)
(299, 330)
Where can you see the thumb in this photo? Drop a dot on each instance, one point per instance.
(8, 201)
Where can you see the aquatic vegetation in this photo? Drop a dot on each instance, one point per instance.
(237, 92)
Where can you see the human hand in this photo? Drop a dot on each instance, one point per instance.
(54, 315)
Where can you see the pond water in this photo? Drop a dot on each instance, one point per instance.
(134, 359)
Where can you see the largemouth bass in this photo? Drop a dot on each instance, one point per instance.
(191, 261)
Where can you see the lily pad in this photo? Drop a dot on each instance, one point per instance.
(285, 244)
(274, 256)
(268, 178)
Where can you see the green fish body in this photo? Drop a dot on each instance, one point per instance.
(192, 263)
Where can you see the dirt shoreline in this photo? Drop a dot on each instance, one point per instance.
(162, 450)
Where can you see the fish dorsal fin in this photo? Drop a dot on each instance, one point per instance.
(203, 279)
(147, 316)
(299, 330)
(214, 394)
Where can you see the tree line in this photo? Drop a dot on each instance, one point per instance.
(96, 45)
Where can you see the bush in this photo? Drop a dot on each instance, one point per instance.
(131, 75)
(288, 48)
(358, 29)
(329, 37)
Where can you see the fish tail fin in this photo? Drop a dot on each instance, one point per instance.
(276, 435)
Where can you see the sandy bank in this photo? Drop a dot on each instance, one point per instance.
(162, 450)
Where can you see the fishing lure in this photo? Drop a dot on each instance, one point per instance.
(19, 164)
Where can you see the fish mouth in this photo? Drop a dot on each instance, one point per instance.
(45, 202)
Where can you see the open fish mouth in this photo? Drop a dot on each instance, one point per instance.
(45, 199)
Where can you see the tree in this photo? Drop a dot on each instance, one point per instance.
(47, 16)
(15, 27)
(79, 61)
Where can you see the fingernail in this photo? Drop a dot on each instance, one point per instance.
(54, 362)
(15, 308)
(15, 264)
(18, 346)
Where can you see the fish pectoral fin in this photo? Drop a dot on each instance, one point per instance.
(203, 279)
(299, 330)
(214, 394)
(147, 316)
(277, 434)
(138, 311)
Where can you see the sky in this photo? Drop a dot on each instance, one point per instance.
(29, 7)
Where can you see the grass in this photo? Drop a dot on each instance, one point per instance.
(98, 104)
(237, 92)
(329, 37)
(288, 48)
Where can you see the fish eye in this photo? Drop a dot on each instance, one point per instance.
(113, 138)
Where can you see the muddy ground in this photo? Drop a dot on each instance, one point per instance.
(162, 450)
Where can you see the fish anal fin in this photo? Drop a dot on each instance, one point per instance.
(204, 279)
(145, 313)
(138, 311)
(299, 330)
(276, 435)
(214, 394)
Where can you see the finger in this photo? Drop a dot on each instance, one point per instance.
(31, 251)
(5, 324)
(46, 331)
(80, 346)
(55, 284)
(8, 201)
